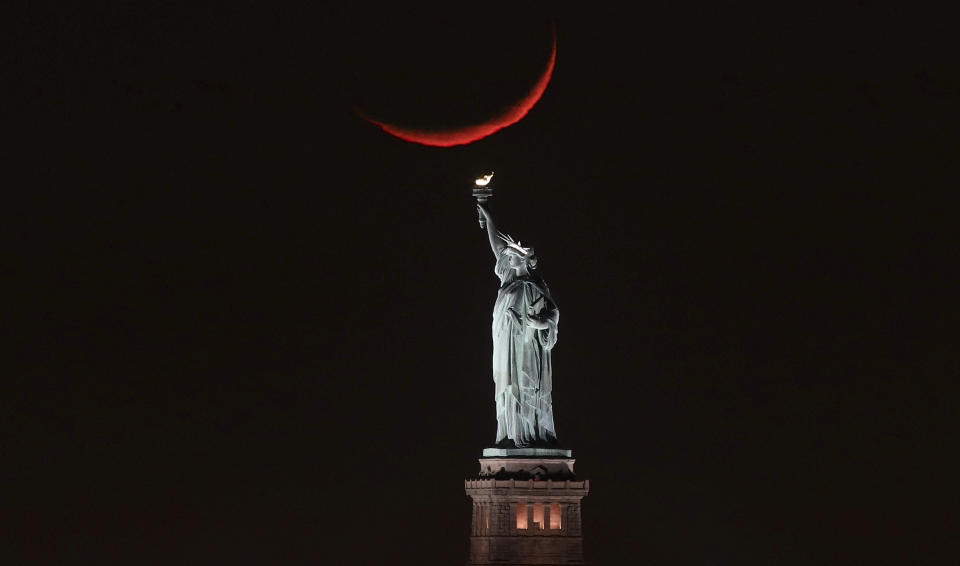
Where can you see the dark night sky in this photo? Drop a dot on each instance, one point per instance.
(254, 329)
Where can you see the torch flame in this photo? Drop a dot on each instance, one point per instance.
(484, 181)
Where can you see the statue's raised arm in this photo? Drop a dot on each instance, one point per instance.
(496, 244)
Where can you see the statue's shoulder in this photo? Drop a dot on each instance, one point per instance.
(502, 266)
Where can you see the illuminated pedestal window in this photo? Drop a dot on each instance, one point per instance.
(521, 515)
(538, 515)
(542, 513)
(555, 522)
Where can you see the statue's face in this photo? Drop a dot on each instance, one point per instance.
(517, 261)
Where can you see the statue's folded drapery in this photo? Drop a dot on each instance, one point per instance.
(522, 372)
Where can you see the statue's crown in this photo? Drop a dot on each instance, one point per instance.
(516, 245)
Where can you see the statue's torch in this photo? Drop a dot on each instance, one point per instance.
(482, 191)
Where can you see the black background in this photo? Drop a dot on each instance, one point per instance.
(255, 329)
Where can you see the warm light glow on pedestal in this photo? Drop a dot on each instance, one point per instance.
(538, 515)
(529, 521)
(555, 515)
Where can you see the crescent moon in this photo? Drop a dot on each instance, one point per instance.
(470, 134)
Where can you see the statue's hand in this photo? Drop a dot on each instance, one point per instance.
(536, 323)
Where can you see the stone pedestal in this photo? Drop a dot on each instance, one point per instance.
(526, 508)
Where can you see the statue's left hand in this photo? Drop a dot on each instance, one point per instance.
(536, 323)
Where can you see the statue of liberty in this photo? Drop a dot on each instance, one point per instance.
(524, 332)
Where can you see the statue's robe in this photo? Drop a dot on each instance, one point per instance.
(522, 371)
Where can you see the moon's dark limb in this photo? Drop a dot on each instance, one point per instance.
(470, 134)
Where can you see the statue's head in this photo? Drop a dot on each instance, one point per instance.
(520, 257)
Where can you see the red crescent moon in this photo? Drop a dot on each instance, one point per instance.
(470, 134)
